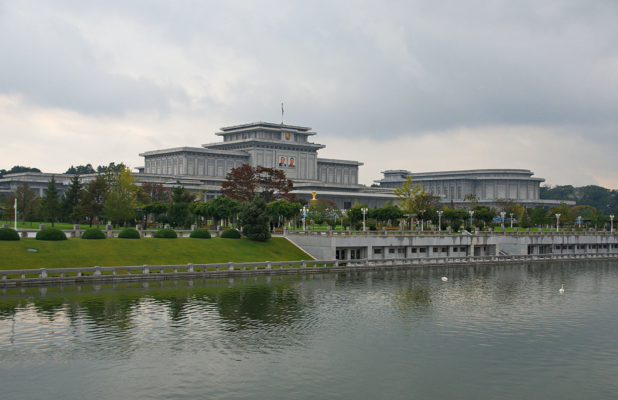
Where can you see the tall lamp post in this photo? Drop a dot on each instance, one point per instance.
(364, 211)
(304, 218)
(422, 220)
(440, 220)
(558, 222)
(503, 214)
(342, 216)
(15, 212)
(511, 220)
(579, 220)
(471, 214)
(611, 229)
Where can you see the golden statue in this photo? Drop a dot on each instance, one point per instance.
(314, 200)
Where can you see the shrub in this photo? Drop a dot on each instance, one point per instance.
(166, 234)
(200, 234)
(129, 233)
(50, 234)
(230, 234)
(93, 233)
(8, 234)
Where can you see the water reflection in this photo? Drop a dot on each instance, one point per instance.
(361, 335)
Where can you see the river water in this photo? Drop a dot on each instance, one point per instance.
(487, 333)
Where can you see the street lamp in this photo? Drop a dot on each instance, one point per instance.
(611, 229)
(342, 215)
(503, 214)
(440, 220)
(364, 211)
(558, 222)
(305, 218)
(471, 214)
(511, 220)
(579, 220)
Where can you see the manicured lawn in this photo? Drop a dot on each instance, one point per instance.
(111, 252)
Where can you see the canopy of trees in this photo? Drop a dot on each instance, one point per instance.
(603, 199)
(17, 169)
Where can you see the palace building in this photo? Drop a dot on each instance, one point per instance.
(290, 149)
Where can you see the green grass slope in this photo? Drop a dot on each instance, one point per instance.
(111, 252)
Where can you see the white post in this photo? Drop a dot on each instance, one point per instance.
(15, 209)
(440, 221)
(511, 220)
(503, 214)
(611, 228)
(471, 214)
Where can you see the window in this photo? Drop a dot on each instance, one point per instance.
(436, 249)
(456, 250)
(463, 249)
(377, 251)
(444, 249)
(422, 250)
(401, 251)
(391, 251)
(413, 249)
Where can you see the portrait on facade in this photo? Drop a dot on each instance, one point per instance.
(282, 162)
(292, 162)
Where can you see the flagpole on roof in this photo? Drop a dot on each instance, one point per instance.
(281, 113)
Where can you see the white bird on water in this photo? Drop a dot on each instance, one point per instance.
(561, 289)
(444, 279)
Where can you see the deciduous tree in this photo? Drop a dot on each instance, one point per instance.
(121, 201)
(93, 198)
(244, 182)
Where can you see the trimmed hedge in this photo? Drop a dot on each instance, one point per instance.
(200, 234)
(166, 234)
(230, 234)
(50, 234)
(8, 234)
(93, 233)
(129, 233)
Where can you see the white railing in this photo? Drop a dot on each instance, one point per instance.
(93, 274)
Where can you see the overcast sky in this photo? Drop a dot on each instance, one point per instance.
(416, 85)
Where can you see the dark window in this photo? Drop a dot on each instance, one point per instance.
(391, 251)
(347, 205)
(422, 250)
(413, 249)
(377, 251)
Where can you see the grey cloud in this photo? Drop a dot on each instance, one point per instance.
(361, 68)
(48, 62)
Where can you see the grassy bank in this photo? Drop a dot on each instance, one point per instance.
(74, 253)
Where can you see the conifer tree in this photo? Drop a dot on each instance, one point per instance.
(71, 205)
(50, 204)
(254, 220)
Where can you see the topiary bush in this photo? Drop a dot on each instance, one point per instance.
(166, 234)
(230, 234)
(200, 234)
(8, 234)
(93, 233)
(129, 233)
(50, 234)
